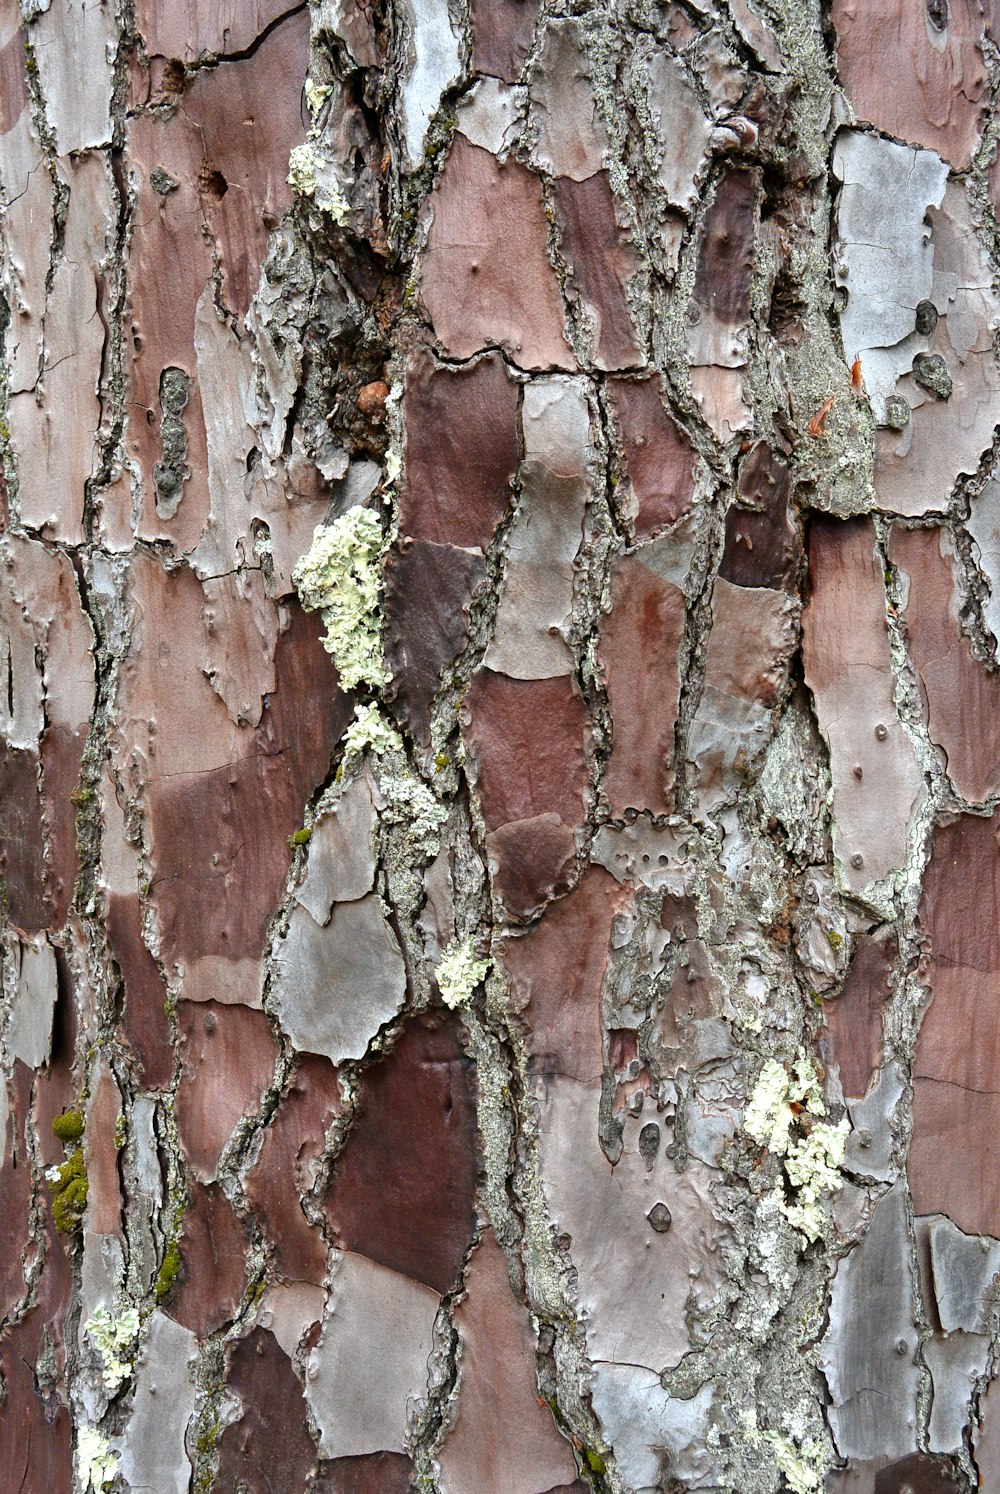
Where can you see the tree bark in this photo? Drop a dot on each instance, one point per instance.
(500, 746)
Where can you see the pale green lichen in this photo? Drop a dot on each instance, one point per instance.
(804, 1467)
(408, 800)
(309, 176)
(370, 729)
(813, 1168)
(341, 578)
(316, 95)
(97, 1464)
(303, 163)
(115, 1340)
(802, 1462)
(333, 202)
(411, 803)
(460, 972)
(769, 1116)
(783, 1115)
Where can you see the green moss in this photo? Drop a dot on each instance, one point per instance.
(257, 1291)
(301, 837)
(206, 1439)
(833, 939)
(69, 1193)
(69, 1126)
(441, 762)
(205, 1444)
(169, 1271)
(595, 1462)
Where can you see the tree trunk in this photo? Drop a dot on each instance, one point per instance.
(500, 740)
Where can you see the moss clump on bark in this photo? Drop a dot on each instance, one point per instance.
(69, 1192)
(69, 1127)
(169, 1271)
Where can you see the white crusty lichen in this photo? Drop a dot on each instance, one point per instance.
(341, 578)
(115, 1340)
(783, 1114)
(96, 1463)
(460, 972)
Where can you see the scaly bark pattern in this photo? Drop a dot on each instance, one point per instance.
(547, 1038)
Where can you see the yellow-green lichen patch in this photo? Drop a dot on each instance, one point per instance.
(341, 578)
(310, 175)
(316, 95)
(303, 163)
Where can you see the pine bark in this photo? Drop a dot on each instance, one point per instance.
(500, 746)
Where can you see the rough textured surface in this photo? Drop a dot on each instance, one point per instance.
(876, 778)
(567, 1059)
(962, 696)
(498, 1360)
(405, 1186)
(640, 648)
(954, 1071)
(917, 72)
(487, 277)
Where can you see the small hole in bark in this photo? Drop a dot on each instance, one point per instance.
(173, 76)
(212, 184)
